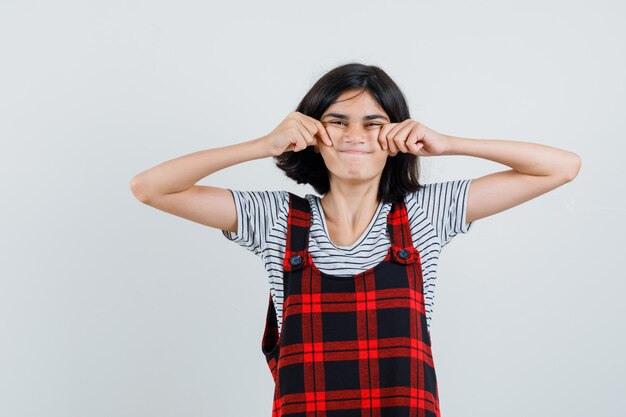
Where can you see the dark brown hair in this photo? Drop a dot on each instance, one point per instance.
(401, 172)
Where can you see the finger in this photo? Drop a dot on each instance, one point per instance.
(313, 128)
(321, 129)
(298, 146)
(401, 137)
(381, 138)
(396, 127)
(306, 131)
(310, 128)
(289, 148)
(396, 138)
(317, 129)
(382, 135)
(412, 142)
(306, 136)
(399, 141)
(294, 139)
(393, 147)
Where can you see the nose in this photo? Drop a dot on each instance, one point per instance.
(355, 134)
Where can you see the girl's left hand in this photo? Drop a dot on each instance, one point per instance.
(410, 136)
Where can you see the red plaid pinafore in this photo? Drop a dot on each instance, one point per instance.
(351, 346)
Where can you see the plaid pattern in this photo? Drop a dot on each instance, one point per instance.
(351, 346)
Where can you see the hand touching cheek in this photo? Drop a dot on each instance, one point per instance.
(410, 136)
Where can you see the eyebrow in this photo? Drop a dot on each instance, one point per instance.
(368, 117)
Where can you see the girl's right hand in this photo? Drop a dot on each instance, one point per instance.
(295, 133)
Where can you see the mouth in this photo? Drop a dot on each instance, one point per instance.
(355, 152)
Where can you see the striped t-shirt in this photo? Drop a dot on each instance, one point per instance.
(436, 214)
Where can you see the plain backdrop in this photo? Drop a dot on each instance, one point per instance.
(109, 307)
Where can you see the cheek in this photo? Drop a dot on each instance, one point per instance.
(333, 132)
(381, 156)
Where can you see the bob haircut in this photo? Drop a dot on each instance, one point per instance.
(400, 173)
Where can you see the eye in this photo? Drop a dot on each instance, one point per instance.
(369, 124)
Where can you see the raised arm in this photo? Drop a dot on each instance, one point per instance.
(535, 170)
(170, 186)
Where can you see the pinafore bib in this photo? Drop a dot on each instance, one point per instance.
(355, 346)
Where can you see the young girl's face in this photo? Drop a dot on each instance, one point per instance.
(353, 123)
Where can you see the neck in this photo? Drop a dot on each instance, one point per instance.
(350, 207)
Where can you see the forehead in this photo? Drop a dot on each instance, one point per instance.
(355, 100)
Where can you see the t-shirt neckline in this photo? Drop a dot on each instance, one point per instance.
(320, 212)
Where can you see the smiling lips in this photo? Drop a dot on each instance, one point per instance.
(355, 152)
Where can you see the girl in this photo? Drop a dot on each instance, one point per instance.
(352, 273)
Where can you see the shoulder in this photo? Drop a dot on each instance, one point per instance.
(444, 204)
(440, 193)
(261, 193)
(261, 199)
(257, 214)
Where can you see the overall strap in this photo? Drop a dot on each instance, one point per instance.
(298, 224)
(399, 229)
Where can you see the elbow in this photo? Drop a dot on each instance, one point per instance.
(573, 168)
(138, 188)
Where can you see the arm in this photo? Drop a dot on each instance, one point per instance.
(170, 186)
(535, 170)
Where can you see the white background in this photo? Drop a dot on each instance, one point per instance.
(109, 307)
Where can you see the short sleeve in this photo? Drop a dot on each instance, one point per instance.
(446, 205)
(257, 212)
